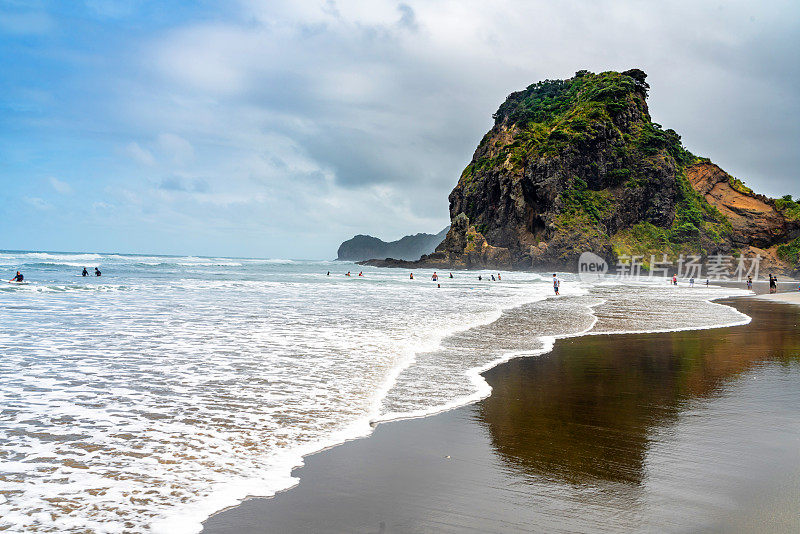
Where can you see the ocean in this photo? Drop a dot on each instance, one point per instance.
(169, 388)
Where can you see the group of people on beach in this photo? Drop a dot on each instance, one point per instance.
(434, 276)
(773, 283)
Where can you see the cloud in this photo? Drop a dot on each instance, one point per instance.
(184, 185)
(309, 121)
(61, 187)
(177, 148)
(139, 154)
(25, 22)
(38, 203)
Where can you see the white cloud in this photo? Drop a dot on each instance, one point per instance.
(61, 187)
(38, 203)
(139, 154)
(175, 147)
(358, 116)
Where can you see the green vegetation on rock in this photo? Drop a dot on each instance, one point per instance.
(790, 251)
(789, 208)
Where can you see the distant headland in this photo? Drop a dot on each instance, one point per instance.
(411, 247)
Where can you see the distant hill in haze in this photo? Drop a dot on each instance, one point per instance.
(411, 247)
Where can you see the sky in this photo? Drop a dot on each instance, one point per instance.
(281, 128)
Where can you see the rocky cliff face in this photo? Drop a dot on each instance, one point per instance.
(410, 247)
(578, 165)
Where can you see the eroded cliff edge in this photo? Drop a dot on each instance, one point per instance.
(578, 165)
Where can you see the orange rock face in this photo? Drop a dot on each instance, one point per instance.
(754, 218)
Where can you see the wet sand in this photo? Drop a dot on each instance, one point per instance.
(693, 431)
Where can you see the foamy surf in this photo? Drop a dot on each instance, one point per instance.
(158, 395)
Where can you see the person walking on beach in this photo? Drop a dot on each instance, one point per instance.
(556, 284)
(85, 272)
(749, 282)
(17, 278)
(773, 284)
(674, 280)
(97, 272)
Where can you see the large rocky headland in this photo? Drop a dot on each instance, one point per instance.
(578, 165)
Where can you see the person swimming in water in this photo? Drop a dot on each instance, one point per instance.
(411, 276)
(85, 272)
(479, 278)
(348, 273)
(361, 273)
(17, 278)
(97, 272)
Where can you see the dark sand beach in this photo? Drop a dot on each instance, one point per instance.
(693, 431)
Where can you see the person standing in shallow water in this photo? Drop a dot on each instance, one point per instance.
(556, 284)
(85, 272)
(97, 272)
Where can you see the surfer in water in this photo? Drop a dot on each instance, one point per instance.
(85, 272)
(97, 272)
(18, 277)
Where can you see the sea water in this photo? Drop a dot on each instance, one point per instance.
(169, 388)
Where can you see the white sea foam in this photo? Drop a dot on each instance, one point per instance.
(150, 398)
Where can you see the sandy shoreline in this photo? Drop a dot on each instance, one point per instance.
(605, 433)
(792, 298)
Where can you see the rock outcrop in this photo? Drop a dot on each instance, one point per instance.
(410, 247)
(578, 165)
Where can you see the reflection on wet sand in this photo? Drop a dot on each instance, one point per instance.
(589, 410)
(693, 431)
